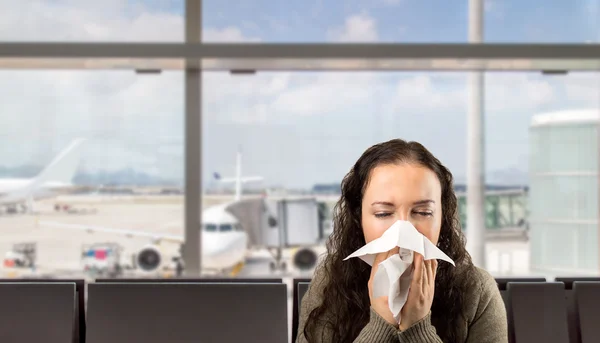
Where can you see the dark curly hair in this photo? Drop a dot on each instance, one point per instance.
(345, 294)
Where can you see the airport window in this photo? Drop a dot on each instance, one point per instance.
(103, 141)
(325, 120)
(425, 21)
(98, 21)
(286, 22)
(290, 133)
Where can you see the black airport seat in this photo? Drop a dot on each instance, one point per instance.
(196, 280)
(586, 296)
(300, 287)
(503, 281)
(38, 312)
(79, 335)
(187, 312)
(537, 312)
(574, 334)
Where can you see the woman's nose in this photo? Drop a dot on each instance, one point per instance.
(402, 215)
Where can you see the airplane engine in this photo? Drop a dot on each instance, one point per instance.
(305, 259)
(150, 259)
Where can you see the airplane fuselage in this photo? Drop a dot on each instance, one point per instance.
(222, 250)
(14, 191)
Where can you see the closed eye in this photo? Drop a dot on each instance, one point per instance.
(425, 214)
(382, 215)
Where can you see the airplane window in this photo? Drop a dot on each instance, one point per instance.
(210, 227)
(226, 227)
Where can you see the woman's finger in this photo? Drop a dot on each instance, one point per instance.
(430, 273)
(418, 275)
(425, 283)
(393, 252)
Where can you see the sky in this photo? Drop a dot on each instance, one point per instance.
(295, 129)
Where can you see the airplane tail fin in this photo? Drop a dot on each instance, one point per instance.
(238, 180)
(64, 166)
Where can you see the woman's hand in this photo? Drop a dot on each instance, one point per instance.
(420, 295)
(380, 304)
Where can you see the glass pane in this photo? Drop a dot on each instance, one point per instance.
(539, 21)
(564, 198)
(125, 178)
(566, 148)
(302, 132)
(334, 21)
(569, 250)
(512, 21)
(92, 21)
(300, 21)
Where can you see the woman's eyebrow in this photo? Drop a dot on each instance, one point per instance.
(384, 203)
(423, 202)
(420, 202)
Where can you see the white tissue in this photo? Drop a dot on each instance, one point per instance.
(394, 275)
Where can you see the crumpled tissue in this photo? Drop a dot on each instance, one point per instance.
(394, 275)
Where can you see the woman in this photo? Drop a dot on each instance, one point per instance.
(391, 181)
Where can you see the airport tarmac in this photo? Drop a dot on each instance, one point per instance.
(59, 250)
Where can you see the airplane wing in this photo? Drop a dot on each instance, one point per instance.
(128, 233)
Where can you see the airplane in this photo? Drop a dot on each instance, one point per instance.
(54, 179)
(224, 241)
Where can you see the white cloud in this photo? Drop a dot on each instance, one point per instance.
(427, 93)
(450, 92)
(227, 35)
(517, 92)
(85, 21)
(356, 28)
(98, 21)
(327, 93)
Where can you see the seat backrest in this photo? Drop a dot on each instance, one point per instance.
(196, 280)
(302, 288)
(574, 334)
(187, 312)
(587, 309)
(79, 335)
(503, 281)
(568, 281)
(296, 302)
(538, 312)
(37, 312)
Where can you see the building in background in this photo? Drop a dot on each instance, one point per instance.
(563, 195)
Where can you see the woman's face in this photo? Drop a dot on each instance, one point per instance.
(402, 192)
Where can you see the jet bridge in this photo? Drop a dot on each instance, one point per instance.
(277, 224)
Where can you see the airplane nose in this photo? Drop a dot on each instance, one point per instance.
(215, 247)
